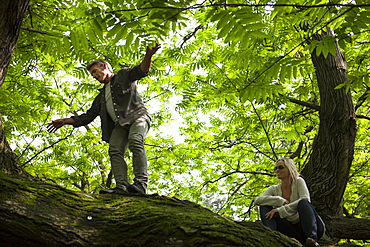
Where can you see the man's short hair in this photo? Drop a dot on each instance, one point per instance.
(100, 63)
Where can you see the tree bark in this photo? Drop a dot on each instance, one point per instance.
(348, 228)
(41, 214)
(11, 12)
(328, 168)
(8, 160)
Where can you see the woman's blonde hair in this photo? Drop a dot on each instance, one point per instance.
(289, 164)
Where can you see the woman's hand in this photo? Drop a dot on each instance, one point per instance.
(273, 213)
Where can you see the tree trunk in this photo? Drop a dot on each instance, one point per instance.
(11, 12)
(328, 168)
(8, 160)
(41, 214)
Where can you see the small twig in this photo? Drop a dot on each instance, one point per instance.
(362, 116)
(303, 103)
(188, 36)
(45, 148)
(266, 132)
(33, 30)
(233, 172)
(363, 98)
(231, 143)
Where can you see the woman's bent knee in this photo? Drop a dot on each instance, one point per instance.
(303, 202)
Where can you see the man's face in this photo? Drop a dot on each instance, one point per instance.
(100, 73)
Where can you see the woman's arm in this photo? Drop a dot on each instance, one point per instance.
(270, 198)
(302, 193)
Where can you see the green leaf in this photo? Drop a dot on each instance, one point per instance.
(340, 86)
(283, 72)
(131, 24)
(341, 44)
(219, 16)
(319, 48)
(332, 49)
(255, 26)
(257, 34)
(112, 32)
(325, 50)
(360, 24)
(295, 71)
(223, 21)
(313, 45)
(225, 29)
(74, 40)
(97, 28)
(250, 18)
(365, 18)
(91, 36)
(129, 39)
(81, 38)
(120, 34)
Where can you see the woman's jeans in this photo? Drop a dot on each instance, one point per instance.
(309, 226)
(132, 137)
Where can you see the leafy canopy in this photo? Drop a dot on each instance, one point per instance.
(228, 70)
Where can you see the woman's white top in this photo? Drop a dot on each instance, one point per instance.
(273, 197)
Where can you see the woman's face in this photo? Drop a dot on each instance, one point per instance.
(281, 170)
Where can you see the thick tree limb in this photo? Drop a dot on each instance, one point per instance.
(41, 214)
(348, 228)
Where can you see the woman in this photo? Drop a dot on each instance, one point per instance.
(286, 207)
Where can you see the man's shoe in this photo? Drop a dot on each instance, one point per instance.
(136, 188)
(113, 191)
(311, 243)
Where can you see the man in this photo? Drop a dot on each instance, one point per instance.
(124, 120)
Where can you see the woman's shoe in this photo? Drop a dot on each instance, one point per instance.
(310, 242)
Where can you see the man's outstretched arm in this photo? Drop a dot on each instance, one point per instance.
(56, 124)
(147, 60)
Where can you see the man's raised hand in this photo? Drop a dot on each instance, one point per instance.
(153, 50)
